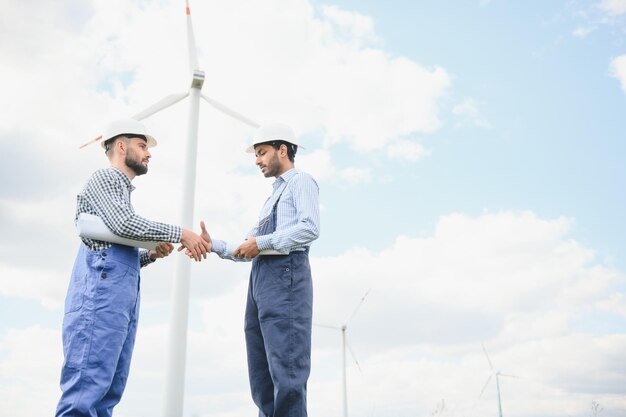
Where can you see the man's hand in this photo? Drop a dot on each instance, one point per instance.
(204, 235)
(248, 249)
(161, 251)
(195, 244)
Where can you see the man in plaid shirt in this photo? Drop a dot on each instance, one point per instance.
(102, 303)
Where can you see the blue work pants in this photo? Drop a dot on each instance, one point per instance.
(278, 323)
(99, 327)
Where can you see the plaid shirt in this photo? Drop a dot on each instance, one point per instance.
(107, 195)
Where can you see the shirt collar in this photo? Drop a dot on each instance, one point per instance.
(286, 176)
(124, 178)
(282, 179)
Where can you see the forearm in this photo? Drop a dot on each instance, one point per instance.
(225, 250)
(144, 258)
(139, 228)
(122, 221)
(302, 234)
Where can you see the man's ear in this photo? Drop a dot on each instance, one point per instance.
(121, 145)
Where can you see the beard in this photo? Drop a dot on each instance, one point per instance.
(273, 166)
(134, 164)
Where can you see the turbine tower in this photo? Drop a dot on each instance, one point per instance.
(497, 374)
(344, 345)
(177, 344)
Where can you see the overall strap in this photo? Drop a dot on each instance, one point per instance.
(283, 190)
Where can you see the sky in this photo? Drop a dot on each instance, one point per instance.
(470, 158)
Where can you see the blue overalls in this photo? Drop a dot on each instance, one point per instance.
(99, 330)
(278, 323)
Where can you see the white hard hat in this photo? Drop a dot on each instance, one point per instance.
(126, 127)
(271, 132)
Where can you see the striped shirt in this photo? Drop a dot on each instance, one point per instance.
(297, 216)
(107, 195)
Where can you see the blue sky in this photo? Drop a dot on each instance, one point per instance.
(553, 142)
(470, 161)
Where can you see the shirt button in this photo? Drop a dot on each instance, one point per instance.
(104, 254)
(104, 275)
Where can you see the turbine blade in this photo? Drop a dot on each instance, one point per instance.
(191, 41)
(353, 356)
(160, 105)
(509, 376)
(90, 142)
(357, 307)
(485, 386)
(230, 112)
(487, 356)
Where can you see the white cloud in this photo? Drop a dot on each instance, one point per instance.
(582, 32)
(592, 16)
(469, 113)
(37, 283)
(616, 303)
(319, 164)
(359, 28)
(406, 149)
(613, 7)
(513, 281)
(355, 175)
(30, 363)
(362, 114)
(73, 67)
(618, 70)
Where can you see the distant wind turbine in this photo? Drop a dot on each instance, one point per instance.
(344, 344)
(175, 369)
(497, 374)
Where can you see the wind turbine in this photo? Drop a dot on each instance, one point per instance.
(344, 344)
(175, 369)
(497, 374)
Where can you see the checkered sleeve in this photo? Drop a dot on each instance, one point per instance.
(110, 199)
(144, 258)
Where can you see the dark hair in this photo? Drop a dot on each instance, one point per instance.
(109, 142)
(291, 148)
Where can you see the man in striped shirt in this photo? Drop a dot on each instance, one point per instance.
(102, 303)
(278, 314)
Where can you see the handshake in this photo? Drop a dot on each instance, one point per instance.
(196, 246)
(197, 249)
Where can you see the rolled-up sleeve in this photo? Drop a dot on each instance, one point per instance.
(304, 208)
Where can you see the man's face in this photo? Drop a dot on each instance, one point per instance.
(267, 160)
(137, 155)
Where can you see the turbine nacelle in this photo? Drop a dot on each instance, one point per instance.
(197, 79)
